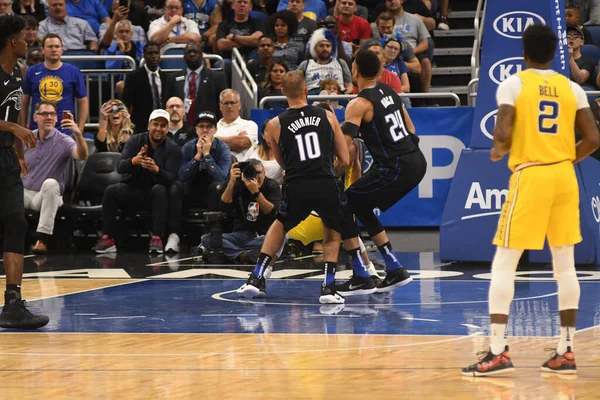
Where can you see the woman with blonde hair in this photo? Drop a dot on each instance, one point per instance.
(115, 127)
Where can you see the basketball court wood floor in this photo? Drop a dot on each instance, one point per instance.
(159, 336)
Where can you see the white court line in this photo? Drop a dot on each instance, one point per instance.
(471, 326)
(172, 261)
(27, 256)
(124, 317)
(86, 290)
(229, 315)
(86, 314)
(420, 319)
(229, 353)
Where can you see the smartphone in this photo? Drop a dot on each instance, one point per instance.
(124, 3)
(66, 114)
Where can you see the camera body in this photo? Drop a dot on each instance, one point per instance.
(247, 170)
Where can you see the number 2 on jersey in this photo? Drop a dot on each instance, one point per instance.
(308, 145)
(547, 119)
(397, 129)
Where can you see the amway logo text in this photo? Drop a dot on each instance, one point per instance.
(513, 24)
(504, 68)
(492, 199)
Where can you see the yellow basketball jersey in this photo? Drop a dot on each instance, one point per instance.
(544, 125)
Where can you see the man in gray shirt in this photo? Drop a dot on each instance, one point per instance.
(76, 33)
(306, 26)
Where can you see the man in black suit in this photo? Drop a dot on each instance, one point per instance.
(198, 86)
(145, 88)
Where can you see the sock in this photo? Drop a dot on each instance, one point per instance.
(358, 264)
(329, 272)
(566, 339)
(13, 292)
(498, 338)
(391, 262)
(371, 269)
(261, 264)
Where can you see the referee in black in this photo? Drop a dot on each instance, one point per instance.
(12, 165)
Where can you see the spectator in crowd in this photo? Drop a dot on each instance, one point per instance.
(75, 33)
(149, 163)
(138, 15)
(31, 32)
(35, 8)
(258, 66)
(329, 87)
(5, 7)
(353, 29)
(44, 182)
(114, 129)
(393, 62)
(34, 56)
(145, 88)
(387, 77)
(196, 85)
(173, 30)
(342, 49)
(273, 83)
(124, 46)
(200, 11)
(241, 32)
(252, 205)
(283, 25)
(582, 67)
(179, 131)
(572, 18)
(108, 35)
(263, 152)
(419, 9)
(55, 81)
(306, 25)
(443, 9)
(384, 27)
(314, 9)
(237, 133)
(323, 65)
(205, 162)
(90, 10)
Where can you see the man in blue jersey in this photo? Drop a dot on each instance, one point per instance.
(199, 11)
(55, 81)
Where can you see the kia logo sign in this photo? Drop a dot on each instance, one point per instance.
(487, 124)
(504, 68)
(513, 24)
(596, 208)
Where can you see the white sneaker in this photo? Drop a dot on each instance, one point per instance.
(172, 243)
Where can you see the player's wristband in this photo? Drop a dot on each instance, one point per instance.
(350, 129)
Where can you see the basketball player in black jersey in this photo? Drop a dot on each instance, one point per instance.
(305, 139)
(379, 117)
(12, 165)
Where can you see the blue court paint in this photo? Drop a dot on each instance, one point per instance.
(426, 307)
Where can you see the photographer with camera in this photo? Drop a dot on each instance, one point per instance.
(251, 201)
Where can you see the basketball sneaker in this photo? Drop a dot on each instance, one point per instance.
(330, 296)
(356, 286)
(394, 279)
(155, 245)
(15, 315)
(105, 245)
(254, 287)
(490, 364)
(561, 364)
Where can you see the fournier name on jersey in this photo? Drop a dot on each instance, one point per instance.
(304, 121)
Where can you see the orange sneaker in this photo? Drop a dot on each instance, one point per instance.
(490, 364)
(561, 364)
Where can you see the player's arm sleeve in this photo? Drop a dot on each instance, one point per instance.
(582, 101)
(509, 90)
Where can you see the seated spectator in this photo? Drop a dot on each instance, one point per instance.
(90, 10)
(149, 163)
(5, 7)
(572, 18)
(389, 78)
(44, 183)
(393, 62)
(252, 205)
(314, 9)
(35, 8)
(306, 25)
(342, 49)
(258, 66)
(273, 83)
(237, 133)
(173, 30)
(137, 14)
(145, 88)
(323, 65)
(420, 10)
(222, 12)
(205, 161)
(329, 87)
(107, 34)
(75, 33)
(34, 56)
(55, 81)
(353, 29)
(200, 11)
(124, 46)
(384, 27)
(114, 129)
(283, 25)
(582, 67)
(31, 32)
(179, 131)
(241, 32)
(263, 152)
(197, 86)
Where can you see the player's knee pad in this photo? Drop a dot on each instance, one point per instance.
(14, 241)
(370, 221)
(502, 287)
(563, 262)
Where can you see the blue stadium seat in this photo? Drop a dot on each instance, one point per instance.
(591, 50)
(595, 32)
(173, 64)
(84, 64)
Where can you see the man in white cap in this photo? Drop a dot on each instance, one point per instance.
(149, 163)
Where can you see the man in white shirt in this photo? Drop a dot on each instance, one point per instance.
(239, 134)
(173, 30)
